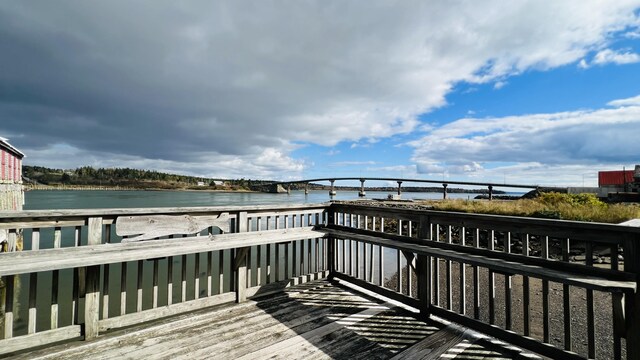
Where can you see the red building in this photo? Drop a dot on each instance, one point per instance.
(615, 178)
(11, 192)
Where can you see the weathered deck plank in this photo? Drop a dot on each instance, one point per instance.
(314, 320)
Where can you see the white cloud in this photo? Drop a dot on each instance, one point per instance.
(471, 147)
(608, 56)
(632, 101)
(269, 164)
(499, 85)
(215, 78)
(353, 163)
(617, 57)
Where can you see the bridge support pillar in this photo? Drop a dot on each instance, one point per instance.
(362, 193)
(444, 191)
(490, 192)
(289, 189)
(399, 188)
(306, 188)
(332, 191)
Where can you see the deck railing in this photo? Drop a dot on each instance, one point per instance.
(466, 267)
(75, 277)
(535, 283)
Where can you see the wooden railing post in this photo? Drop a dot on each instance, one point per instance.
(92, 283)
(240, 261)
(632, 300)
(331, 253)
(424, 268)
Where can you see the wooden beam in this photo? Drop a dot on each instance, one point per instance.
(26, 262)
(92, 285)
(154, 226)
(495, 263)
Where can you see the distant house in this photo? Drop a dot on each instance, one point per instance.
(11, 191)
(201, 183)
(619, 181)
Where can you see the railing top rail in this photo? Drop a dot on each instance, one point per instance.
(75, 213)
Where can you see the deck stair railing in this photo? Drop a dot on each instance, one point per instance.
(558, 288)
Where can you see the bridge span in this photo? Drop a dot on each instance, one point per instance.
(445, 183)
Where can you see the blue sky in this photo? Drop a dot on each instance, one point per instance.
(524, 92)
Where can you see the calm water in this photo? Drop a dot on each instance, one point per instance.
(42, 200)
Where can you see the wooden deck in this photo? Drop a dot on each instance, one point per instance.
(316, 320)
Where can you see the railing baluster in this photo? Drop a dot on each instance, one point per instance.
(526, 301)
(196, 275)
(221, 275)
(209, 273)
(566, 299)
(123, 288)
(33, 285)
(463, 276)
(75, 302)
(591, 331)
(380, 265)
(55, 276)
(343, 265)
(449, 278)
(492, 282)
(139, 285)
(259, 263)
(545, 294)
(295, 259)
(399, 262)
(507, 285)
(436, 271)
(371, 261)
(105, 276)
(364, 261)
(476, 280)
(277, 260)
(357, 259)
(8, 306)
(616, 300)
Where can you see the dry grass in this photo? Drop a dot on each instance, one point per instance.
(581, 207)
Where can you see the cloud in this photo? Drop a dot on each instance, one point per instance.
(353, 163)
(616, 57)
(473, 146)
(608, 56)
(632, 101)
(185, 85)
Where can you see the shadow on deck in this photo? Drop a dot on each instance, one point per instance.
(320, 319)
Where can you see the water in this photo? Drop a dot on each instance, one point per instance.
(69, 199)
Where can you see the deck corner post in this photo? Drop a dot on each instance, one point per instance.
(92, 283)
(632, 299)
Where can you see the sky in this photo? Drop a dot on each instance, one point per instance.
(527, 92)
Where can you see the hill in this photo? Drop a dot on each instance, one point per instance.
(130, 178)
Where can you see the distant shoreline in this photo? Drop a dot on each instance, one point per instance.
(123, 188)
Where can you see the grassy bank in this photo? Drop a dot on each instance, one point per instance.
(581, 207)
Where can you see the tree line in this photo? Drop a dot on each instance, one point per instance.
(137, 178)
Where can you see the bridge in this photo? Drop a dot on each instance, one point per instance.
(445, 184)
